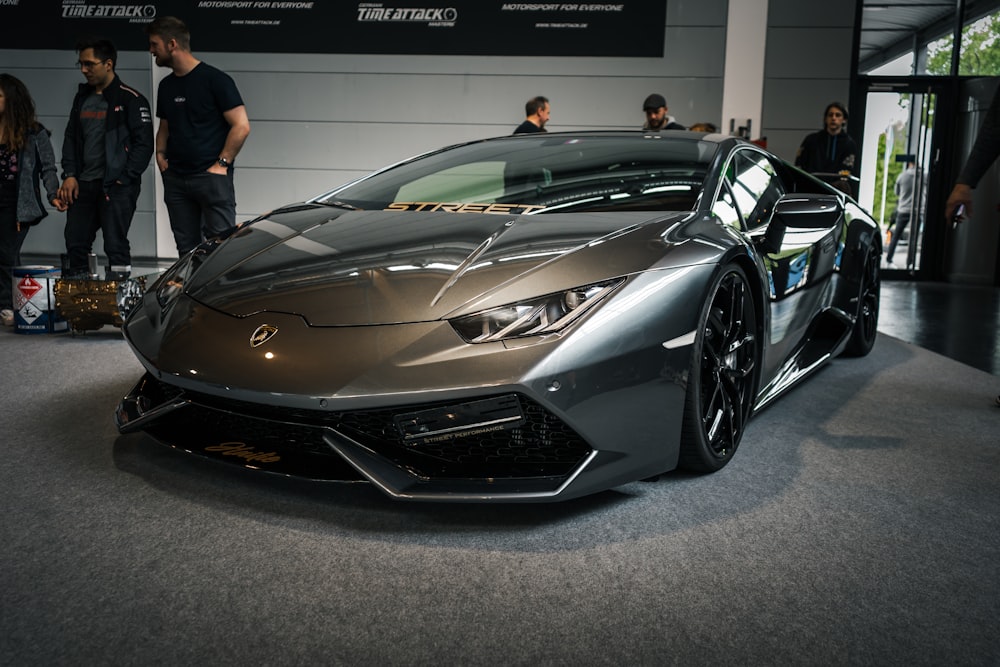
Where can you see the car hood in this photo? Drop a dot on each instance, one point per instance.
(344, 268)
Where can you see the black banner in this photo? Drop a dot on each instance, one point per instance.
(630, 28)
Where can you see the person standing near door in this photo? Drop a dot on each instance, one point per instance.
(106, 148)
(984, 152)
(831, 151)
(203, 125)
(904, 206)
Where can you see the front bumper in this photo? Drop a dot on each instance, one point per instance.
(530, 454)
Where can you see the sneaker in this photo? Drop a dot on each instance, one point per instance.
(7, 315)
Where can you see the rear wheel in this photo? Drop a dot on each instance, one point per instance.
(866, 325)
(723, 378)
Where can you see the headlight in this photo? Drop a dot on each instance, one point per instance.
(544, 315)
(172, 283)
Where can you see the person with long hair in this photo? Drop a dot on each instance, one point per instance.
(831, 152)
(26, 158)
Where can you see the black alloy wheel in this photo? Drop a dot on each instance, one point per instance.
(723, 380)
(866, 325)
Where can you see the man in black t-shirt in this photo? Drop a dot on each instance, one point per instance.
(203, 125)
(536, 112)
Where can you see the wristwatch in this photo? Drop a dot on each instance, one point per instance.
(224, 162)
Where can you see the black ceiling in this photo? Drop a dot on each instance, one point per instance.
(890, 28)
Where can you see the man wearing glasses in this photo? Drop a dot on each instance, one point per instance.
(107, 146)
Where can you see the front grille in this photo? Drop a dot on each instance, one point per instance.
(541, 446)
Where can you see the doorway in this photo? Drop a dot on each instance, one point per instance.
(898, 170)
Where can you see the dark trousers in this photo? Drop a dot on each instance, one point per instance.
(111, 214)
(11, 240)
(902, 218)
(200, 205)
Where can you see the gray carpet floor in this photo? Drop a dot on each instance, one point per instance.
(858, 524)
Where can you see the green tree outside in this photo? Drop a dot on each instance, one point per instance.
(980, 55)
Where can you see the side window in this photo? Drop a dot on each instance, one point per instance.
(725, 207)
(757, 187)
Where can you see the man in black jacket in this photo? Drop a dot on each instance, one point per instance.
(831, 152)
(985, 151)
(107, 146)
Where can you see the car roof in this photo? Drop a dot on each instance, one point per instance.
(712, 137)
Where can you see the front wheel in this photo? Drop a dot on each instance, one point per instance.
(723, 379)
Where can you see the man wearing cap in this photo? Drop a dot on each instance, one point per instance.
(657, 119)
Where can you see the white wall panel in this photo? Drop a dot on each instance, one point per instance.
(799, 13)
(792, 52)
(696, 12)
(799, 103)
(260, 190)
(785, 143)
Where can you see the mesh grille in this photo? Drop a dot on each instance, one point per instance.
(543, 446)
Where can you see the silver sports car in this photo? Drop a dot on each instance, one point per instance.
(529, 318)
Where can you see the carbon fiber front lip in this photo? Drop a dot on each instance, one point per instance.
(320, 452)
(401, 484)
(135, 411)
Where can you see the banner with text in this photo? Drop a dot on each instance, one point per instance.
(632, 28)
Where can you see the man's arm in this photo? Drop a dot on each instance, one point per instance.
(239, 130)
(987, 146)
(70, 187)
(140, 128)
(984, 152)
(162, 132)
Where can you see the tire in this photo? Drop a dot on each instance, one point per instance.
(866, 322)
(722, 383)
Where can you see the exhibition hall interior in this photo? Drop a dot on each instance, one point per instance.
(356, 333)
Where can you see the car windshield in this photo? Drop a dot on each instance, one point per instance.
(539, 174)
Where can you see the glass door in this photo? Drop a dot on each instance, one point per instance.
(898, 161)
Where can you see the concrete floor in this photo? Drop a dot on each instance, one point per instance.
(958, 321)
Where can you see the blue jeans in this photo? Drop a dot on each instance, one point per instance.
(201, 206)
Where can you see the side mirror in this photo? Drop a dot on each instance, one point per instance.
(799, 211)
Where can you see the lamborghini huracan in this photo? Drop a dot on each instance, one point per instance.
(519, 319)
